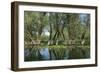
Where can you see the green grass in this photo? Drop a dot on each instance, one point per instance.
(56, 46)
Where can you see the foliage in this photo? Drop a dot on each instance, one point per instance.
(58, 32)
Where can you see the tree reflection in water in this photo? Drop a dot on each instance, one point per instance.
(38, 54)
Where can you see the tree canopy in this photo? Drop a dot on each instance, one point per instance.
(52, 27)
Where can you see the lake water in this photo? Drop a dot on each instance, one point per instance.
(55, 54)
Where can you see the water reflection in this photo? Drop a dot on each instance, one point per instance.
(45, 53)
(42, 54)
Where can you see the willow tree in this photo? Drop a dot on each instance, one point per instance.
(73, 26)
(86, 29)
(34, 24)
(57, 23)
(28, 27)
(50, 23)
(78, 27)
